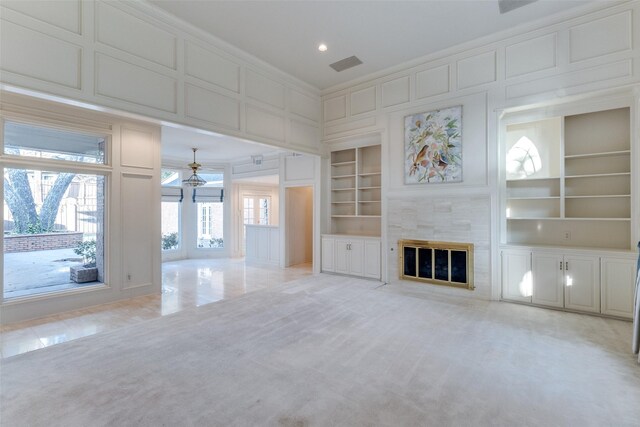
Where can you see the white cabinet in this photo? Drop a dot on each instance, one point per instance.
(353, 255)
(516, 275)
(547, 279)
(585, 281)
(618, 286)
(328, 254)
(582, 283)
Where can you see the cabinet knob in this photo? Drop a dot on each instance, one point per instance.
(566, 265)
(560, 265)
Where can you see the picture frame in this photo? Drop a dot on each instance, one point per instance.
(433, 146)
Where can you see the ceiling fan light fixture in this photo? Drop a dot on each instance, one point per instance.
(194, 180)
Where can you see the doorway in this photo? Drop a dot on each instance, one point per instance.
(299, 225)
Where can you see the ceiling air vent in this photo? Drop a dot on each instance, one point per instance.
(509, 5)
(345, 63)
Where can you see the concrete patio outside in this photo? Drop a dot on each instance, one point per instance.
(29, 273)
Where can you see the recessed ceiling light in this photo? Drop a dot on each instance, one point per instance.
(322, 47)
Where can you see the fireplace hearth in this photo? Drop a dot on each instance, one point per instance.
(439, 263)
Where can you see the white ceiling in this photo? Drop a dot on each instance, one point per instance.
(381, 33)
(212, 148)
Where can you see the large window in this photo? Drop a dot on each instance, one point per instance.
(27, 140)
(170, 225)
(53, 211)
(209, 201)
(172, 196)
(210, 224)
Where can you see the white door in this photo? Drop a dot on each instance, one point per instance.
(547, 274)
(372, 259)
(516, 275)
(618, 286)
(342, 256)
(356, 257)
(328, 254)
(582, 283)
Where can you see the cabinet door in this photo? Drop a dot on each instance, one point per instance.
(516, 275)
(547, 273)
(328, 254)
(356, 257)
(618, 286)
(342, 256)
(582, 283)
(372, 259)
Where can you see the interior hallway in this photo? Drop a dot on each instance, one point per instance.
(186, 284)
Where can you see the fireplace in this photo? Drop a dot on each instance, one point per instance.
(440, 263)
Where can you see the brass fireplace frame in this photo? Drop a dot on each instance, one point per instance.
(428, 244)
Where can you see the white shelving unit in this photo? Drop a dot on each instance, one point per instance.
(582, 199)
(353, 245)
(356, 191)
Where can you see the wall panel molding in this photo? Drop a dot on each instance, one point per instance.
(600, 37)
(136, 58)
(65, 15)
(143, 86)
(209, 106)
(32, 54)
(134, 35)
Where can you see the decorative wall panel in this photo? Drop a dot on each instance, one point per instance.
(209, 106)
(133, 35)
(395, 92)
(431, 82)
(32, 54)
(211, 68)
(121, 80)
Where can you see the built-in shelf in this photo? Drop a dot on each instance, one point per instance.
(600, 154)
(354, 211)
(566, 219)
(533, 179)
(598, 196)
(598, 175)
(586, 199)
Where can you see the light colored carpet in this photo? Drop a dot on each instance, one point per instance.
(327, 350)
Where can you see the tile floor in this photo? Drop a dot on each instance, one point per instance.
(186, 284)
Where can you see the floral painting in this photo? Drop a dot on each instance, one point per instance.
(433, 146)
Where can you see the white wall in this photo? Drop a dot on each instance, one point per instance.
(586, 51)
(133, 57)
(132, 208)
(299, 215)
(300, 171)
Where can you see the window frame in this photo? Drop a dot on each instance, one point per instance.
(11, 161)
